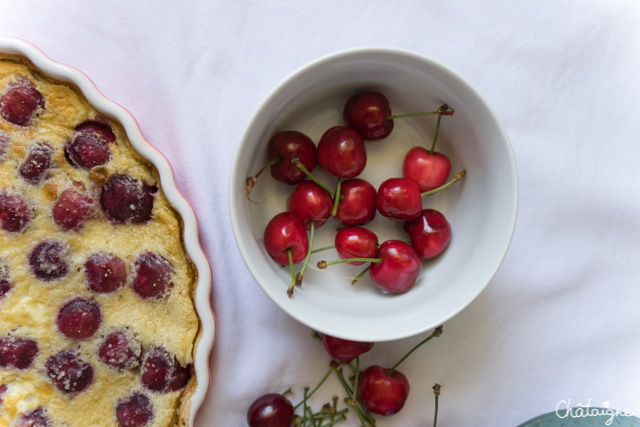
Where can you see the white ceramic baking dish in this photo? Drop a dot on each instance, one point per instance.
(74, 77)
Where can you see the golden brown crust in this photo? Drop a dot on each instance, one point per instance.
(30, 308)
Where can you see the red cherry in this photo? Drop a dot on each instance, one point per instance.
(284, 145)
(381, 393)
(5, 287)
(153, 276)
(96, 130)
(48, 261)
(341, 152)
(34, 418)
(134, 411)
(162, 372)
(395, 269)
(430, 233)
(79, 319)
(357, 205)
(36, 163)
(428, 170)
(310, 202)
(286, 232)
(89, 145)
(368, 112)
(105, 272)
(282, 148)
(180, 376)
(71, 209)
(20, 103)
(5, 283)
(17, 353)
(125, 199)
(356, 242)
(399, 198)
(14, 212)
(68, 372)
(157, 367)
(398, 268)
(120, 350)
(271, 410)
(344, 351)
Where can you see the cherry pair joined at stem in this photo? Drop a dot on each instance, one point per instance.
(357, 202)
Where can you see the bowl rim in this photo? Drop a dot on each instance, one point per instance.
(203, 288)
(236, 187)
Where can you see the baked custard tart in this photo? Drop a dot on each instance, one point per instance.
(98, 324)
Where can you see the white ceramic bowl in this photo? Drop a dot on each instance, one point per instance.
(481, 208)
(109, 108)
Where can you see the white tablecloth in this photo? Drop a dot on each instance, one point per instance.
(558, 325)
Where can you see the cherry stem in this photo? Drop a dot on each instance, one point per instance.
(402, 116)
(252, 180)
(441, 111)
(324, 248)
(355, 381)
(363, 422)
(335, 407)
(305, 407)
(332, 413)
(300, 275)
(359, 276)
(296, 161)
(436, 333)
(362, 413)
(435, 135)
(343, 382)
(336, 200)
(457, 178)
(307, 396)
(293, 274)
(324, 264)
(436, 392)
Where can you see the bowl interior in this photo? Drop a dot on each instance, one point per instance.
(481, 208)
